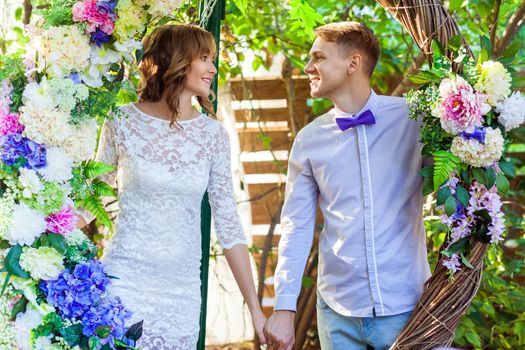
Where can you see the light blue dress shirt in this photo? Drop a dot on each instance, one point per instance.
(372, 253)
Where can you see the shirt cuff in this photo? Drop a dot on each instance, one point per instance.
(286, 302)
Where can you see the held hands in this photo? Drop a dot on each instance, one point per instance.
(259, 320)
(279, 330)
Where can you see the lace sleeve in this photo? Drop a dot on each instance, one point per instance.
(106, 153)
(220, 189)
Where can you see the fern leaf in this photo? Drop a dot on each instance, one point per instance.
(92, 168)
(103, 189)
(94, 205)
(445, 163)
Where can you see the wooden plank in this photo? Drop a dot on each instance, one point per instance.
(273, 114)
(266, 199)
(264, 167)
(253, 141)
(258, 240)
(267, 88)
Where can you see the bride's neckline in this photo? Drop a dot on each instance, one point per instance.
(165, 120)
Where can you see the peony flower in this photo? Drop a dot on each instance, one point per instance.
(24, 323)
(62, 50)
(47, 126)
(81, 143)
(30, 182)
(59, 166)
(494, 81)
(10, 124)
(26, 225)
(38, 95)
(477, 154)
(511, 111)
(459, 108)
(43, 263)
(63, 222)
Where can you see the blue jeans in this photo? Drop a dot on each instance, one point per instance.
(338, 332)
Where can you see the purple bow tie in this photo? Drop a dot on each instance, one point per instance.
(365, 118)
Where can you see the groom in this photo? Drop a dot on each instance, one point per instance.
(360, 163)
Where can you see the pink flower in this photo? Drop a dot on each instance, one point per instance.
(78, 12)
(90, 12)
(63, 222)
(10, 124)
(460, 109)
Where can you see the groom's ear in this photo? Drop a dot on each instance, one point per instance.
(354, 62)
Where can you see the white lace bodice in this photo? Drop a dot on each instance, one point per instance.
(161, 176)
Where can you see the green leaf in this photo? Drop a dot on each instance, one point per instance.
(6, 282)
(486, 49)
(93, 168)
(491, 177)
(242, 5)
(473, 338)
(442, 195)
(437, 48)
(93, 343)
(103, 189)
(58, 242)
(454, 44)
(518, 81)
(454, 5)
(507, 168)
(18, 13)
(512, 50)
(450, 205)
(428, 186)
(465, 261)
(103, 331)
(20, 306)
(462, 195)
(502, 184)
(12, 262)
(427, 171)
(419, 79)
(445, 163)
(135, 331)
(480, 175)
(461, 245)
(94, 205)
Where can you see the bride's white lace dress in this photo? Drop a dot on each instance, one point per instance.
(161, 176)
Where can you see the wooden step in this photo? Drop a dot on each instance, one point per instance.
(252, 114)
(256, 141)
(261, 88)
(265, 167)
(266, 199)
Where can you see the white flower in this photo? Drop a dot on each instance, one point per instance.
(26, 225)
(48, 126)
(103, 56)
(511, 111)
(30, 182)
(80, 145)
(127, 46)
(44, 263)
(7, 205)
(38, 95)
(24, 323)
(58, 166)
(62, 50)
(163, 7)
(42, 343)
(472, 152)
(75, 238)
(494, 81)
(67, 93)
(92, 75)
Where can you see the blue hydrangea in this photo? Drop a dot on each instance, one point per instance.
(15, 146)
(75, 292)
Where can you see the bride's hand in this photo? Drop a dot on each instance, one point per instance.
(259, 320)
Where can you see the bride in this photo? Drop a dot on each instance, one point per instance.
(166, 156)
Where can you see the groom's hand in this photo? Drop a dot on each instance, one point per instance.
(279, 330)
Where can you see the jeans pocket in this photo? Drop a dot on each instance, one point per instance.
(321, 304)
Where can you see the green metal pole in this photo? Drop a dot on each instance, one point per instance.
(214, 27)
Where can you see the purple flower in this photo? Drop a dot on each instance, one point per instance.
(478, 134)
(110, 313)
(107, 7)
(15, 146)
(75, 293)
(99, 37)
(76, 78)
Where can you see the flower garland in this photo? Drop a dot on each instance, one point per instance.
(54, 291)
(467, 122)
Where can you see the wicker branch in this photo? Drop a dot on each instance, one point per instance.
(443, 301)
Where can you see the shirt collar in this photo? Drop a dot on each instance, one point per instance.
(370, 104)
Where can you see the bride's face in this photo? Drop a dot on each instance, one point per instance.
(201, 74)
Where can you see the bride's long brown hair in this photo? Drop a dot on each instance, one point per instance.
(168, 53)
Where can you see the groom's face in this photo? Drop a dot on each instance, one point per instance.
(327, 68)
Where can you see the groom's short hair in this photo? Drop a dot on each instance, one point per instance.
(353, 36)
